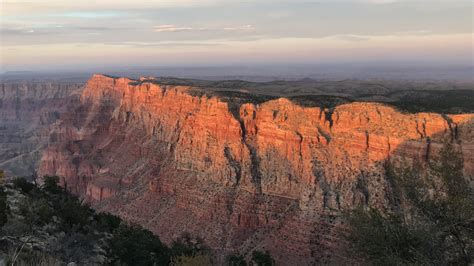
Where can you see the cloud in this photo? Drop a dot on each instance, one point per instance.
(90, 15)
(236, 25)
(361, 38)
(174, 28)
(240, 28)
(380, 2)
(21, 31)
(351, 37)
(20, 6)
(167, 44)
(414, 32)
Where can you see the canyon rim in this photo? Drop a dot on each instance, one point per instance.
(273, 175)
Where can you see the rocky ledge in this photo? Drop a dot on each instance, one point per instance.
(241, 174)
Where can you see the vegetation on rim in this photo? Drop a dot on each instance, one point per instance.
(433, 224)
(45, 225)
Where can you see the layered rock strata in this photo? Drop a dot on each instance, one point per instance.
(27, 110)
(245, 176)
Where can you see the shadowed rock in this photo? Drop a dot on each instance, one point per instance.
(267, 175)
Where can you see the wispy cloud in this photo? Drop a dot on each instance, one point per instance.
(351, 37)
(231, 26)
(21, 31)
(380, 2)
(167, 44)
(240, 28)
(174, 28)
(414, 32)
(89, 14)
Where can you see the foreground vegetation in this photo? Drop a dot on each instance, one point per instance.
(45, 225)
(433, 223)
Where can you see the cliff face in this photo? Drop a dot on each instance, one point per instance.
(27, 109)
(242, 177)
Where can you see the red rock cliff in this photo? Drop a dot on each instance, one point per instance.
(264, 176)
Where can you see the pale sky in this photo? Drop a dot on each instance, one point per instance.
(38, 34)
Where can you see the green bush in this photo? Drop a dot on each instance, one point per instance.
(30, 257)
(73, 211)
(188, 246)
(50, 184)
(386, 240)
(2, 177)
(236, 260)
(80, 231)
(107, 221)
(35, 212)
(196, 260)
(23, 184)
(133, 245)
(262, 258)
(4, 210)
(428, 229)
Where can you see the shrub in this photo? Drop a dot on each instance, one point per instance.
(133, 245)
(385, 240)
(43, 211)
(23, 184)
(2, 177)
(73, 211)
(30, 257)
(197, 260)
(75, 246)
(107, 221)
(262, 258)
(50, 184)
(35, 212)
(188, 246)
(4, 210)
(236, 260)
(432, 229)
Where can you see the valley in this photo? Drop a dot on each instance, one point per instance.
(245, 166)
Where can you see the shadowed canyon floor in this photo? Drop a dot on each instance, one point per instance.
(27, 110)
(240, 167)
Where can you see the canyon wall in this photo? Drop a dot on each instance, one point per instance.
(27, 110)
(242, 176)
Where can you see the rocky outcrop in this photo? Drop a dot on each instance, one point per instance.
(243, 177)
(27, 110)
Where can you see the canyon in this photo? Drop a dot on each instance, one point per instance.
(27, 110)
(241, 173)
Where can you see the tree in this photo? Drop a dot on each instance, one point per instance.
(195, 260)
(133, 245)
(188, 246)
(73, 211)
(385, 239)
(3, 177)
(35, 212)
(262, 258)
(107, 221)
(236, 260)
(4, 210)
(430, 228)
(50, 184)
(23, 184)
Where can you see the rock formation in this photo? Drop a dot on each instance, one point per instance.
(27, 109)
(241, 175)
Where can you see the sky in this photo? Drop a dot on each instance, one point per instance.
(58, 34)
